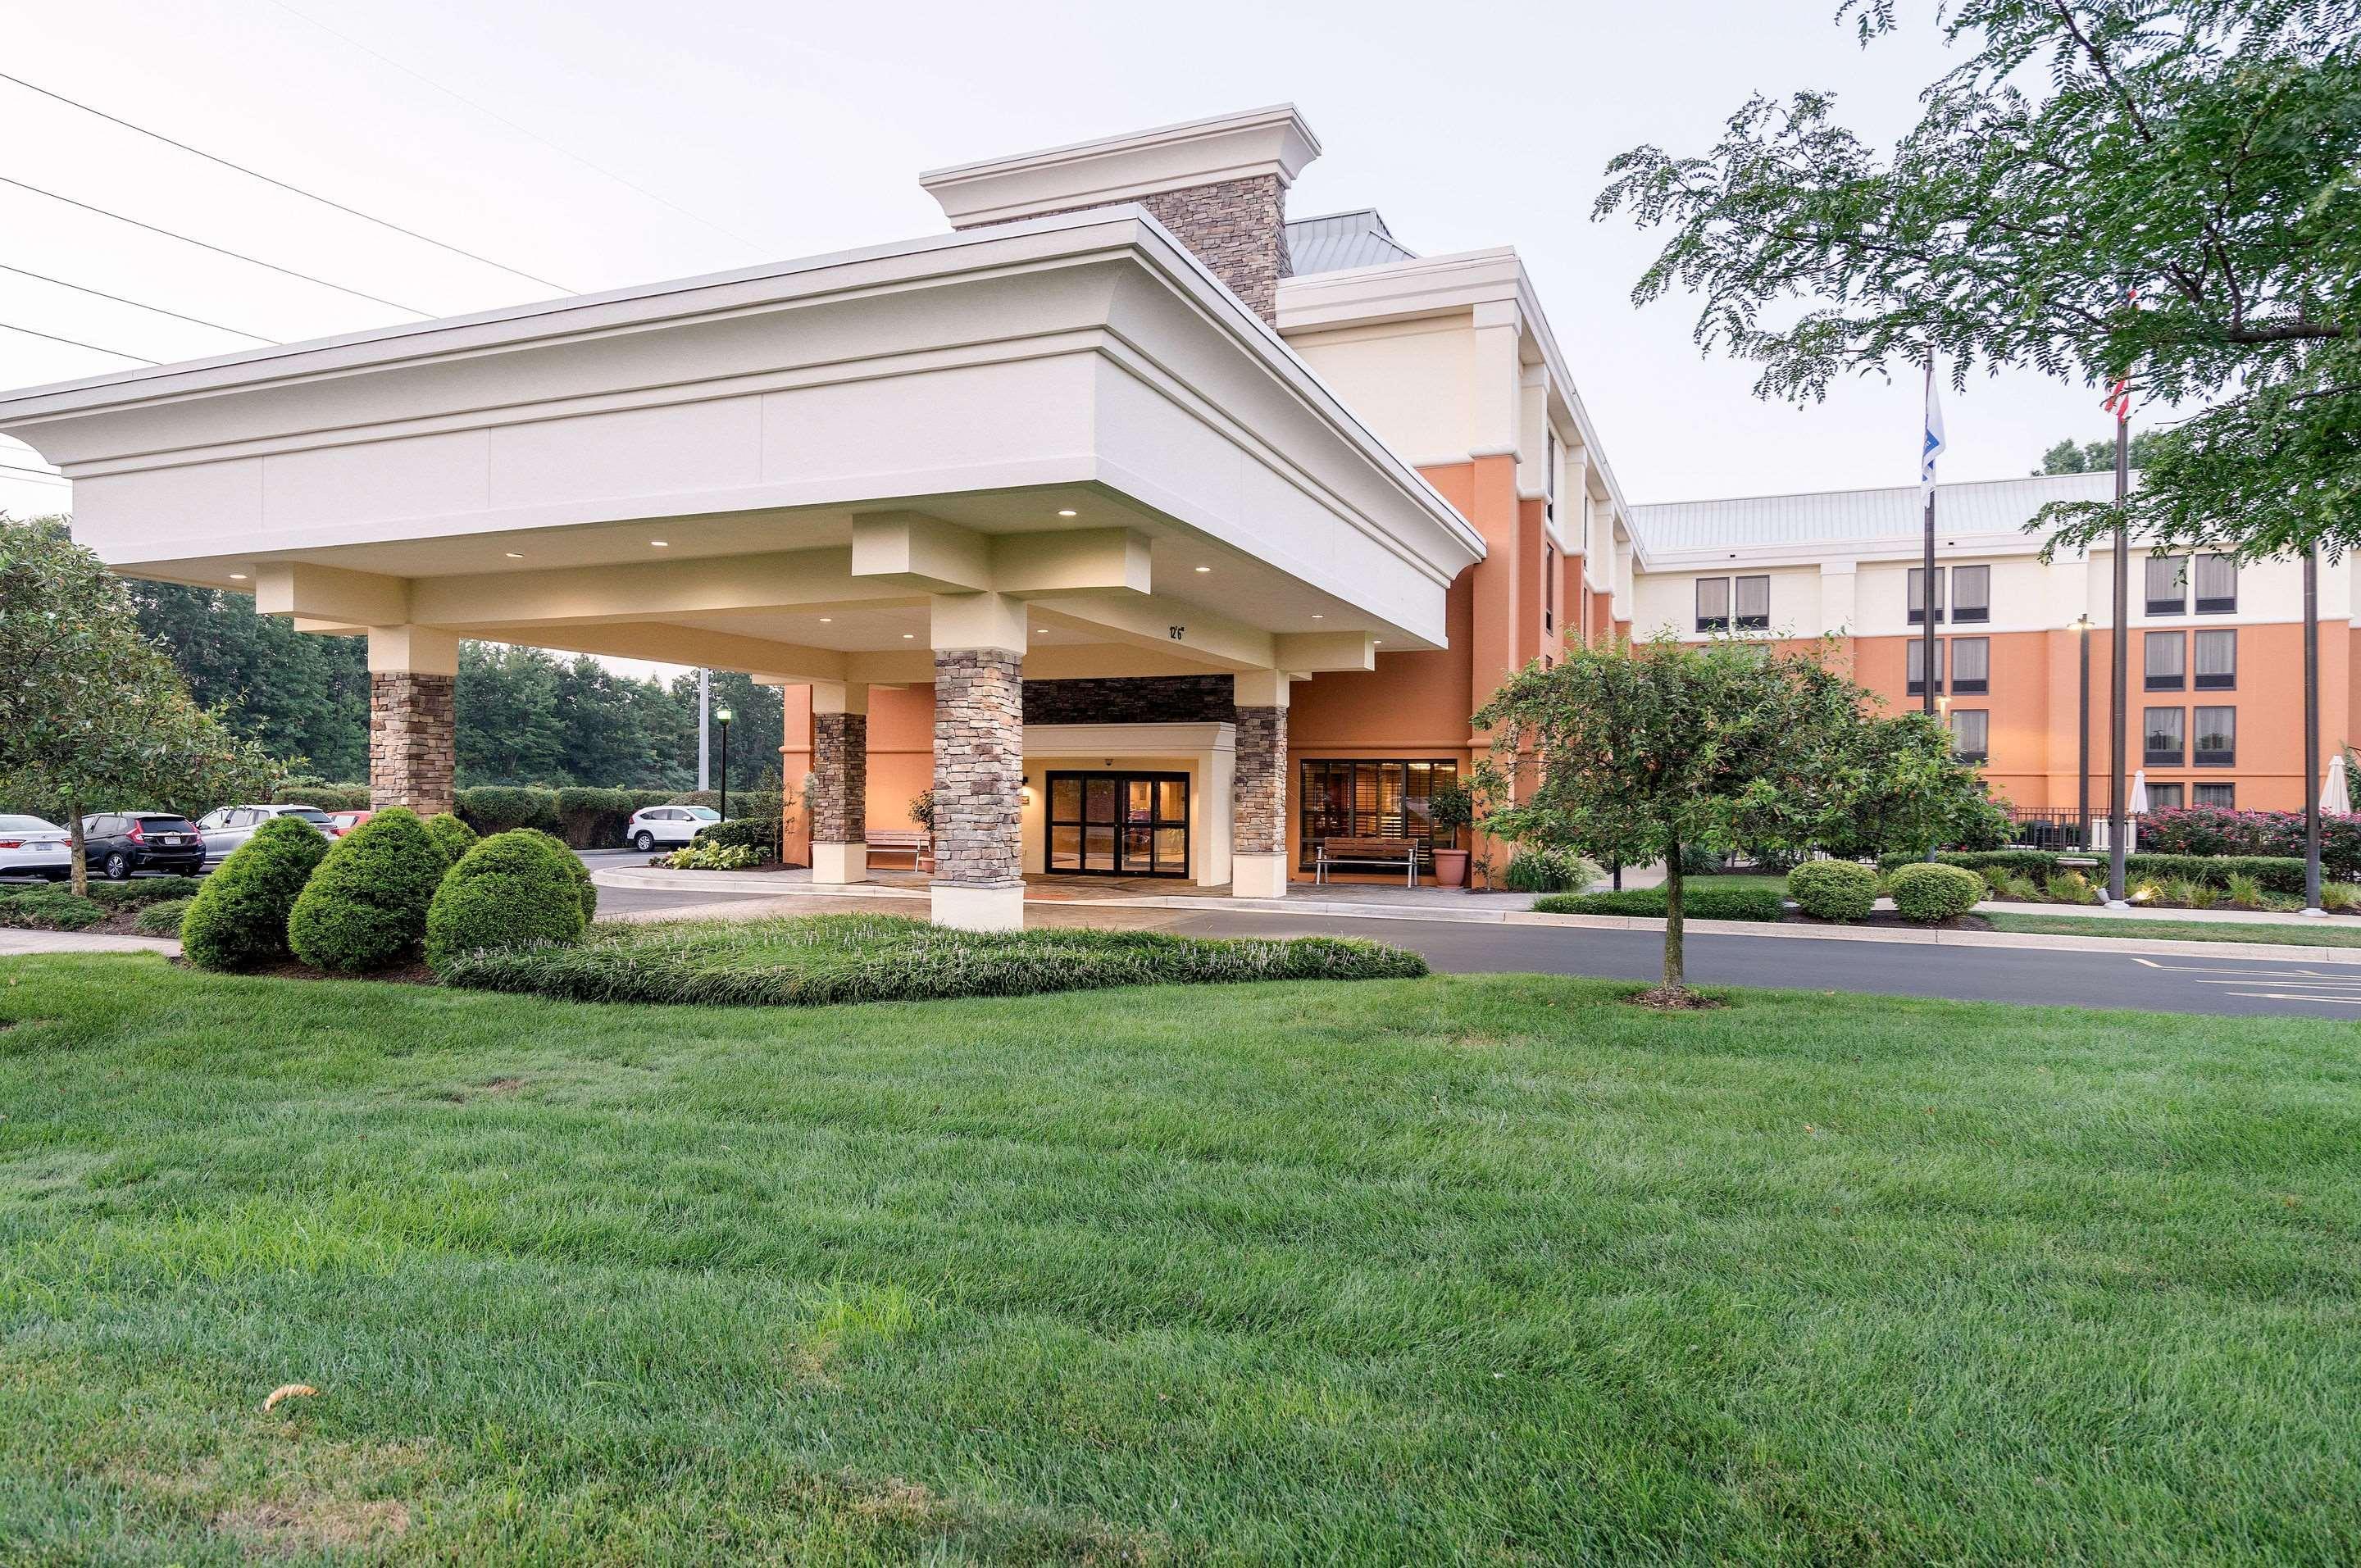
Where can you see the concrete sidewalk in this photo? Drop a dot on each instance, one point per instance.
(13, 943)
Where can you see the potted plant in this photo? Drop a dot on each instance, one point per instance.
(922, 812)
(1450, 807)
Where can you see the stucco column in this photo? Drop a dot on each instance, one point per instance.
(1259, 788)
(413, 724)
(839, 806)
(979, 642)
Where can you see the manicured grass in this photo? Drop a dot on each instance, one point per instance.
(2315, 933)
(1453, 1268)
(818, 960)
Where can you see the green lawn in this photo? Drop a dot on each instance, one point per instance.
(2315, 932)
(1406, 1270)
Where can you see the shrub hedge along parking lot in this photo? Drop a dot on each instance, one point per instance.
(1763, 903)
(365, 908)
(50, 909)
(512, 888)
(238, 918)
(1928, 893)
(1834, 889)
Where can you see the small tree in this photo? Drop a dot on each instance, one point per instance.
(1639, 751)
(89, 707)
(1902, 787)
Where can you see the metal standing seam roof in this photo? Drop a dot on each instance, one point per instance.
(1342, 240)
(1990, 506)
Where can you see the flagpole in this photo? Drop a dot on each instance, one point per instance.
(2118, 827)
(1926, 665)
(2312, 785)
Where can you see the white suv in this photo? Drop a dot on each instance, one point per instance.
(654, 824)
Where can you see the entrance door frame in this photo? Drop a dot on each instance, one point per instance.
(1123, 778)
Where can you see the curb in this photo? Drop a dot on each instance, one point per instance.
(2027, 941)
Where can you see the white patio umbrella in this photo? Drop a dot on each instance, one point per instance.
(2135, 805)
(2335, 793)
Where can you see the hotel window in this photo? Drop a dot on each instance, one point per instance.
(2224, 795)
(1753, 604)
(2164, 797)
(2217, 585)
(1970, 665)
(1358, 799)
(1713, 604)
(2166, 654)
(1970, 734)
(1914, 674)
(1971, 593)
(2217, 661)
(2217, 738)
(2161, 747)
(2167, 585)
(1549, 587)
(1919, 594)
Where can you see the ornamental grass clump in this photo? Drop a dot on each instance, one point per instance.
(819, 960)
(1834, 889)
(511, 889)
(50, 909)
(1929, 895)
(238, 918)
(162, 919)
(365, 908)
(2070, 887)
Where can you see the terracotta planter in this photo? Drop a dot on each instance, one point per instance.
(1451, 868)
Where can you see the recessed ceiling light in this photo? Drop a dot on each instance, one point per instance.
(237, 576)
(661, 543)
(1204, 569)
(1319, 618)
(825, 619)
(513, 554)
(1065, 512)
(906, 636)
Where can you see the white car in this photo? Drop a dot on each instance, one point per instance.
(654, 824)
(31, 847)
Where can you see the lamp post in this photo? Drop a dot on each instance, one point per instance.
(2312, 783)
(2118, 825)
(2082, 738)
(721, 717)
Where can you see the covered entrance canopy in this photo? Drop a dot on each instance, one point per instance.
(1054, 448)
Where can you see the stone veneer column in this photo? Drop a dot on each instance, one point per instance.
(413, 728)
(978, 761)
(1258, 795)
(840, 809)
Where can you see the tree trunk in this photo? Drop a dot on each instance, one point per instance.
(1676, 967)
(81, 860)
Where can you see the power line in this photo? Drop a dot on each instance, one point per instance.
(521, 130)
(137, 304)
(75, 341)
(218, 250)
(284, 185)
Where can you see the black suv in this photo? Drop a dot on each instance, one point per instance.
(119, 843)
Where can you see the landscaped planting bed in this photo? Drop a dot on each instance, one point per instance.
(1764, 901)
(814, 961)
(1450, 1270)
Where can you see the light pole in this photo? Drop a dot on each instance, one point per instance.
(2082, 739)
(721, 717)
(2118, 828)
(2312, 732)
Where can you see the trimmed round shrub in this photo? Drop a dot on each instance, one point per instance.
(364, 908)
(1928, 893)
(512, 888)
(584, 888)
(238, 919)
(50, 909)
(1834, 889)
(162, 919)
(451, 835)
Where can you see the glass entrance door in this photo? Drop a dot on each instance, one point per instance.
(1119, 824)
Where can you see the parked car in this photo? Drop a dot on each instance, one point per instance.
(343, 822)
(32, 847)
(232, 826)
(654, 824)
(118, 843)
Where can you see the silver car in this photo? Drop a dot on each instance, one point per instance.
(31, 847)
(654, 824)
(232, 826)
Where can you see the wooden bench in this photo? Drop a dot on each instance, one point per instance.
(1388, 853)
(914, 842)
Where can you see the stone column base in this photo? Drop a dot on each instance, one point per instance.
(1258, 876)
(836, 865)
(967, 908)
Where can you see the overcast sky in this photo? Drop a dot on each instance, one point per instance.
(596, 143)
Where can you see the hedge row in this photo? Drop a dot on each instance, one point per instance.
(582, 817)
(2276, 873)
(1763, 903)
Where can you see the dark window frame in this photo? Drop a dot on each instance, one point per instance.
(1713, 622)
(2179, 679)
(2218, 604)
(1916, 615)
(2222, 683)
(2178, 603)
(1312, 804)
(1966, 686)
(2223, 757)
(2227, 792)
(1156, 822)
(2160, 756)
(1974, 614)
(1981, 754)
(1740, 619)
(1915, 685)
